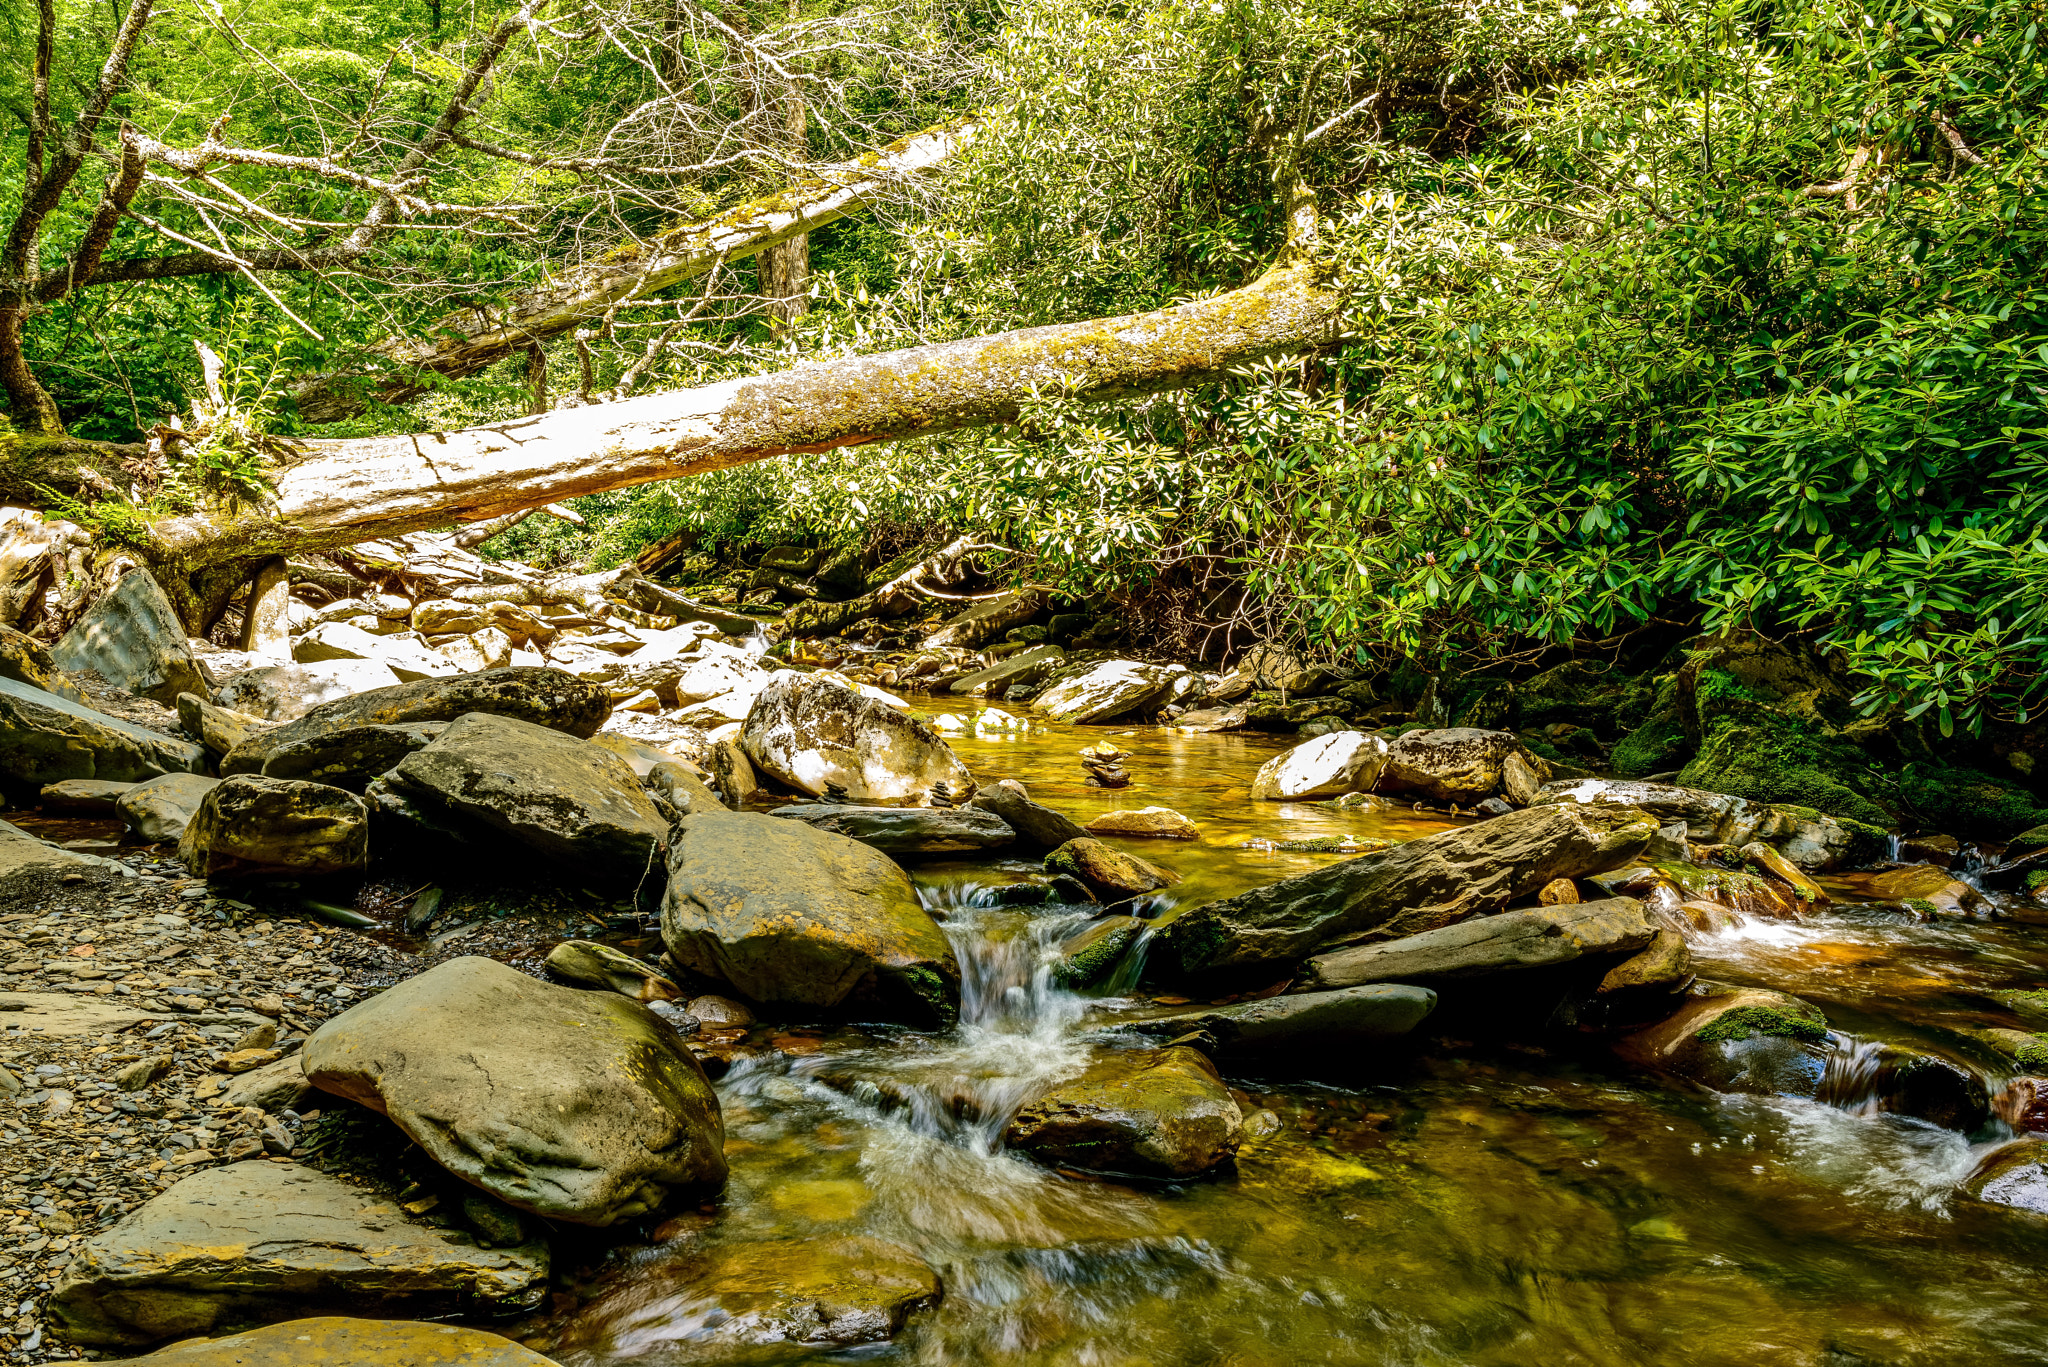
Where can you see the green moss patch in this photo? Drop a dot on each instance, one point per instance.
(1970, 803)
(1748, 1022)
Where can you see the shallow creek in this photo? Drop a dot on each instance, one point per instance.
(1454, 1202)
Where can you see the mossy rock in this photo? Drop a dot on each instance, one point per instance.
(1771, 757)
(1658, 743)
(1971, 803)
(2031, 1007)
(1486, 702)
(1748, 1022)
(1589, 693)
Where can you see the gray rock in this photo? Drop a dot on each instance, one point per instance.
(1507, 942)
(1416, 886)
(1025, 667)
(808, 730)
(81, 797)
(564, 798)
(577, 1106)
(46, 739)
(337, 1341)
(792, 916)
(277, 1086)
(133, 639)
(281, 693)
(1035, 825)
(1460, 765)
(908, 830)
(1302, 1025)
(1155, 1113)
(266, 620)
(681, 788)
(254, 825)
(26, 660)
(345, 757)
(1710, 818)
(25, 860)
(161, 808)
(252, 1243)
(219, 729)
(339, 641)
(590, 964)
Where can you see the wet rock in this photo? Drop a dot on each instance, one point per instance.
(577, 1106)
(133, 639)
(1665, 964)
(1301, 1026)
(1107, 871)
(1508, 942)
(1269, 667)
(1285, 712)
(253, 1243)
(1108, 690)
(46, 739)
(564, 798)
(347, 757)
(2014, 1175)
(1459, 765)
(811, 730)
(1420, 885)
(1924, 885)
(1818, 842)
(1087, 956)
(590, 964)
(793, 916)
(161, 808)
(908, 830)
(1158, 823)
(1710, 818)
(254, 825)
(1775, 865)
(1211, 720)
(1162, 1113)
(81, 797)
(1025, 667)
(407, 659)
(281, 693)
(1037, 826)
(1927, 1087)
(1328, 766)
(734, 1297)
(2027, 842)
(219, 729)
(1737, 1039)
(718, 1011)
(334, 1341)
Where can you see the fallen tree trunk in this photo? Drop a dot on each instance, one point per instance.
(470, 339)
(893, 599)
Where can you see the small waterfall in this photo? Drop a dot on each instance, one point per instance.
(1854, 1069)
(1894, 847)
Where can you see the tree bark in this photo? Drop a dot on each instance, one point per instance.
(468, 340)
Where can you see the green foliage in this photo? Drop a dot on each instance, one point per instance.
(1748, 1022)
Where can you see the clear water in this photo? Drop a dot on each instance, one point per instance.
(1517, 1204)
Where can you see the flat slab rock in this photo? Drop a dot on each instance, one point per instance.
(132, 638)
(23, 858)
(334, 1341)
(1507, 942)
(577, 1106)
(252, 1243)
(908, 830)
(1326, 1024)
(45, 739)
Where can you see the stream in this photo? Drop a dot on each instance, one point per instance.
(1514, 1203)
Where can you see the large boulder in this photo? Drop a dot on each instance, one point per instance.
(565, 798)
(161, 808)
(1810, 839)
(1460, 765)
(577, 1106)
(1420, 885)
(219, 729)
(46, 739)
(1328, 766)
(1160, 1113)
(26, 861)
(1109, 690)
(254, 825)
(253, 1243)
(1108, 871)
(1737, 1039)
(348, 757)
(1508, 942)
(133, 639)
(281, 693)
(745, 1297)
(1589, 693)
(1034, 824)
(82, 797)
(790, 916)
(908, 830)
(545, 697)
(1311, 1029)
(808, 730)
(336, 1341)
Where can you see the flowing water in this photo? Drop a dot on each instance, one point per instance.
(1518, 1203)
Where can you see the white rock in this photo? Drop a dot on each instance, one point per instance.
(489, 648)
(1111, 689)
(714, 678)
(809, 730)
(407, 659)
(1328, 766)
(286, 692)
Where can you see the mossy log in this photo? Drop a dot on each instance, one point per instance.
(469, 339)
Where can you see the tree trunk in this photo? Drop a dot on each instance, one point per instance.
(334, 493)
(468, 340)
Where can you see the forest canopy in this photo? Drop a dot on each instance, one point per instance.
(1657, 314)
